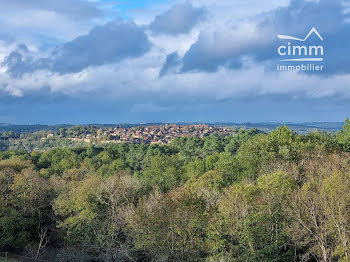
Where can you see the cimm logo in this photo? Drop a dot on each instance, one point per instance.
(309, 53)
(296, 50)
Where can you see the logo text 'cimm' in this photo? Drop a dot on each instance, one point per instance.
(310, 53)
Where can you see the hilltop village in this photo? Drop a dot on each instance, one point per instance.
(157, 134)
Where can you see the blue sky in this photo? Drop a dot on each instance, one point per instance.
(107, 61)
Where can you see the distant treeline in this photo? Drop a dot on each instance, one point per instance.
(29, 128)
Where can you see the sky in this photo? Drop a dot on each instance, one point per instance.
(138, 61)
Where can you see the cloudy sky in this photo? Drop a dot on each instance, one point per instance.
(109, 61)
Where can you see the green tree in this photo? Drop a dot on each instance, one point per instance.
(170, 227)
(163, 172)
(343, 136)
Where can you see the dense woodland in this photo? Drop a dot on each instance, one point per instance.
(253, 196)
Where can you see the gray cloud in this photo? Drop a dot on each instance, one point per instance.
(105, 44)
(181, 18)
(172, 62)
(212, 50)
(18, 61)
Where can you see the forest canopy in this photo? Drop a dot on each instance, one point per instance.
(253, 196)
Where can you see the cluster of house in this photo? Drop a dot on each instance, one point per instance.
(158, 134)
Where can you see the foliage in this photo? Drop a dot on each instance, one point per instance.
(252, 196)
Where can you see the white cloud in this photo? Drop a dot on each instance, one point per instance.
(138, 78)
